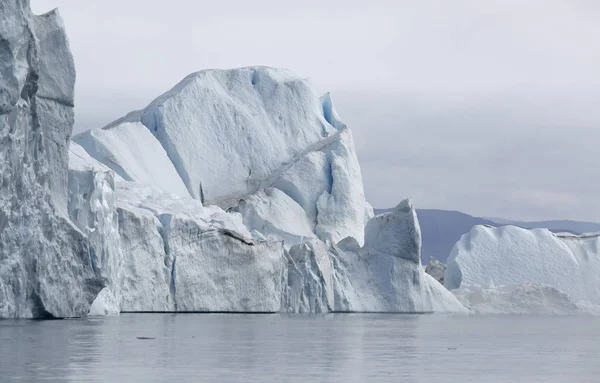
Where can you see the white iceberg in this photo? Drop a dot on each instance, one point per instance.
(274, 249)
(490, 257)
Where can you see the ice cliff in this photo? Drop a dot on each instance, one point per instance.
(512, 269)
(44, 258)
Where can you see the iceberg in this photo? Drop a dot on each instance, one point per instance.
(296, 234)
(501, 257)
(44, 258)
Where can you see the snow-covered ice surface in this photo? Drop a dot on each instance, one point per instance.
(215, 270)
(207, 257)
(44, 258)
(508, 262)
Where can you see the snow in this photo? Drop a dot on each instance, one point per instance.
(489, 257)
(44, 258)
(341, 210)
(106, 303)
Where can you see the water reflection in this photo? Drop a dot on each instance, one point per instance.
(258, 348)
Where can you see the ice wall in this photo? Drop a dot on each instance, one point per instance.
(45, 268)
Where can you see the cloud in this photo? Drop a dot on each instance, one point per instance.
(459, 104)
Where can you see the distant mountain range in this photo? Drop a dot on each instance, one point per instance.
(441, 229)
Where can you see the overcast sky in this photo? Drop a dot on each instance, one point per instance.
(487, 107)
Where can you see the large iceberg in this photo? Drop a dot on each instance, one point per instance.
(45, 268)
(513, 260)
(296, 235)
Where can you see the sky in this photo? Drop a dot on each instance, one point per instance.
(487, 107)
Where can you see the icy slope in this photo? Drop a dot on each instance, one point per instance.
(224, 135)
(134, 154)
(44, 259)
(488, 257)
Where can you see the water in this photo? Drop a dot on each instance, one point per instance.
(332, 348)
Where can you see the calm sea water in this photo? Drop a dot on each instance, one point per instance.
(331, 348)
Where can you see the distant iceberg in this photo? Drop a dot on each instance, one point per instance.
(509, 261)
